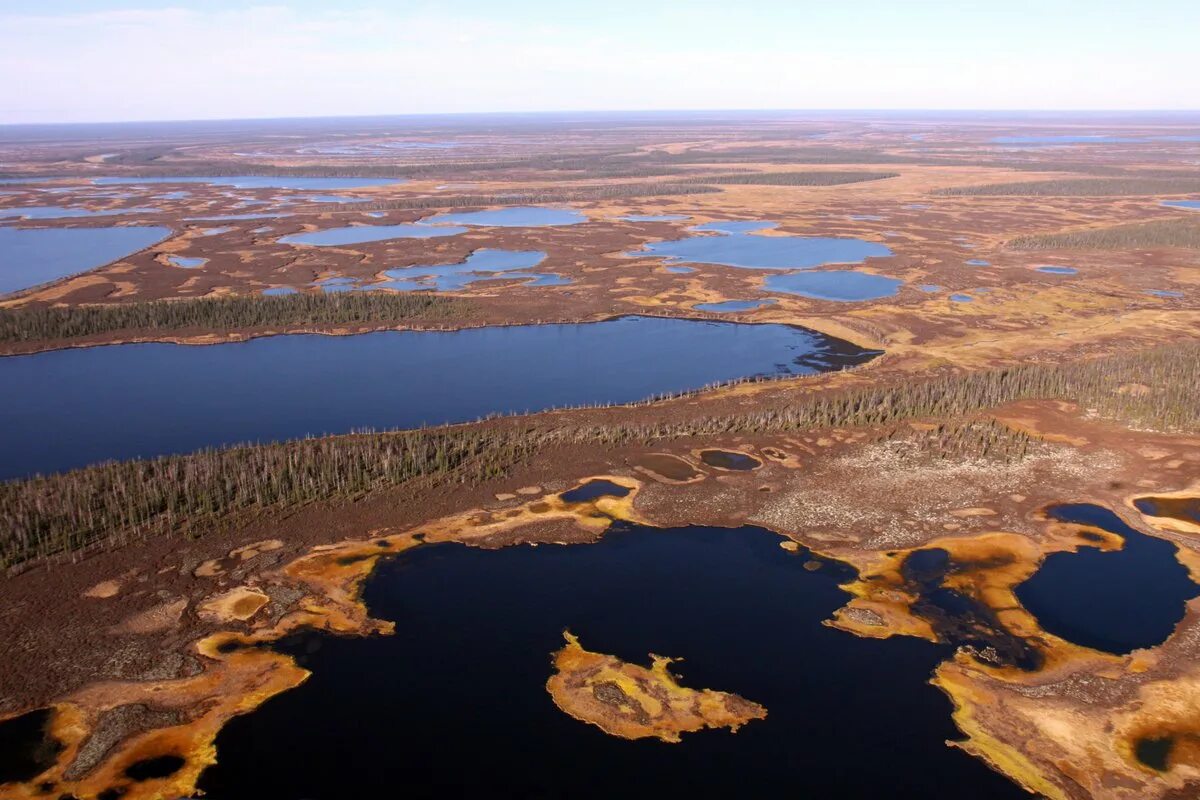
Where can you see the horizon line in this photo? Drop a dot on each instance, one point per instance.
(616, 111)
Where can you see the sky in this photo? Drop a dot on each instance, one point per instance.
(117, 60)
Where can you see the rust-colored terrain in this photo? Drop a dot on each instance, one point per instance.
(148, 642)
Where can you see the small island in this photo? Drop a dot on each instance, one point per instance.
(636, 702)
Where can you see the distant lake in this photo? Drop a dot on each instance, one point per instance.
(738, 245)
(260, 182)
(33, 256)
(513, 217)
(360, 234)
(67, 408)
(1182, 203)
(60, 212)
(480, 265)
(838, 285)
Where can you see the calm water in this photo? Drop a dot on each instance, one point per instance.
(225, 217)
(482, 264)
(454, 704)
(359, 234)
(513, 217)
(962, 298)
(187, 263)
(838, 285)
(32, 256)
(978, 262)
(1182, 203)
(1058, 270)
(68, 408)
(1164, 293)
(739, 245)
(261, 182)
(730, 306)
(1113, 601)
(61, 212)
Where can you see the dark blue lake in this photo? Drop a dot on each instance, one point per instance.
(68, 408)
(737, 244)
(33, 256)
(454, 703)
(1115, 601)
(838, 285)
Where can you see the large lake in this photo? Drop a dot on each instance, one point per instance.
(454, 704)
(33, 256)
(68, 408)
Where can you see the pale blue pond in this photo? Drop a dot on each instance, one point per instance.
(867, 218)
(1164, 293)
(334, 198)
(655, 217)
(187, 263)
(231, 217)
(480, 265)
(376, 214)
(514, 217)
(259, 182)
(731, 306)
(358, 234)
(929, 287)
(1182, 203)
(216, 231)
(263, 229)
(962, 298)
(33, 256)
(916, 206)
(60, 212)
(978, 262)
(1058, 270)
(1072, 138)
(737, 245)
(279, 290)
(843, 286)
(680, 270)
(172, 195)
(125, 401)
(336, 284)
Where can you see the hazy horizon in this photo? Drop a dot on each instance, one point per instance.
(112, 61)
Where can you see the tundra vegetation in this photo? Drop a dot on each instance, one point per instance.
(111, 504)
(1082, 187)
(1182, 233)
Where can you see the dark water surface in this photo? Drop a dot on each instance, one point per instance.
(68, 408)
(1114, 601)
(454, 704)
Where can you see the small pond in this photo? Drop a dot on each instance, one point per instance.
(512, 217)
(738, 244)
(360, 234)
(842, 286)
(1116, 601)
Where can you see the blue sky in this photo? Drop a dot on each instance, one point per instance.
(100, 60)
